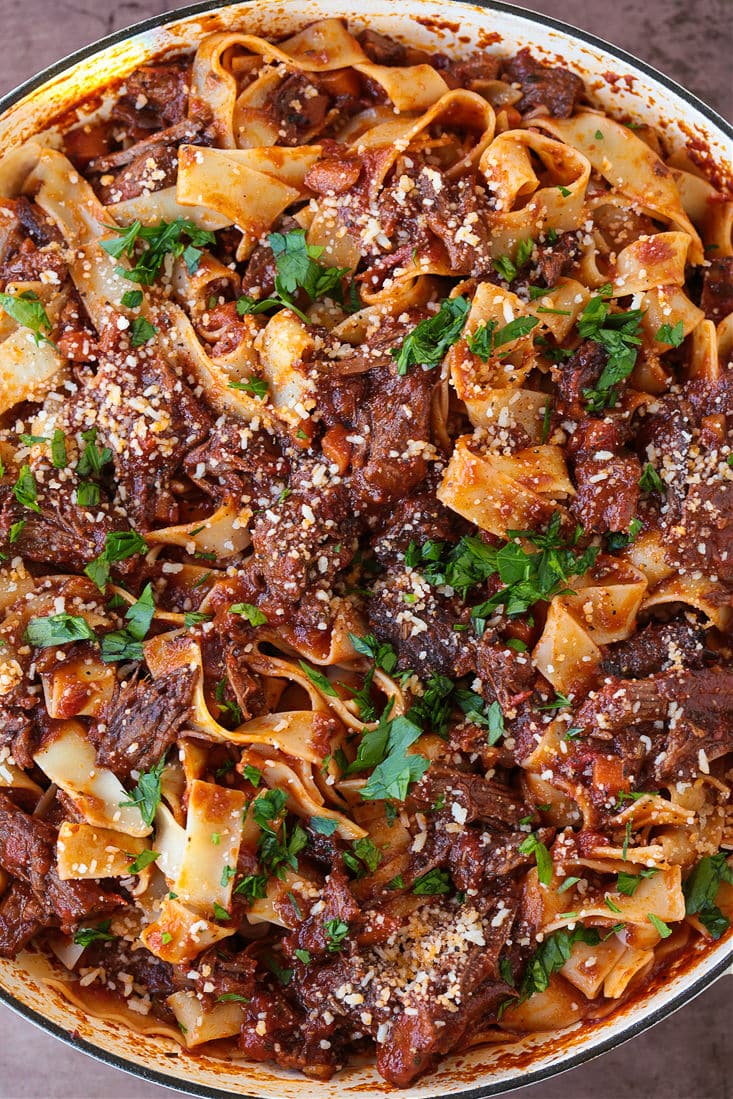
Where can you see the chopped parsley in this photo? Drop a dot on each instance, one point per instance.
(701, 889)
(25, 489)
(324, 826)
(672, 334)
(432, 338)
(485, 340)
(146, 794)
(141, 330)
(126, 644)
(145, 858)
(99, 934)
(256, 387)
(177, 238)
(618, 334)
(533, 846)
(87, 494)
(385, 749)
(659, 925)
(319, 680)
(92, 458)
(650, 481)
(252, 887)
(118, 546)
(434, 882)
(253, 614)
(58, 629)
(363, 851)
(336, 933)
(27, 310)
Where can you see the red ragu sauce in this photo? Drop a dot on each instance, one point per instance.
(365, 678)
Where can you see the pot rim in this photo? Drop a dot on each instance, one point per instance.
(708, 973)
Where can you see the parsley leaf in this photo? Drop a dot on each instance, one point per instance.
(256, 387)
(27, 310)
(92, 457)
(660, 925)
(141, 330)
(87, 935)
(57, 629)
(672, 334)
(485, 340)
(533, 846)
(178, 238)
(432, 337)
(118, 546)
(253, 614)
(252, 886)
(25, 490)
(650, 481)
(618, 334)
(701, 889)
(324, 826)
(143, 859)
(477, 711)
(319, 680)
(336, 932)
(434, 882)
(146, 794)
(392, 777)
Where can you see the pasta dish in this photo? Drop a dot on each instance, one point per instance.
(367, 552)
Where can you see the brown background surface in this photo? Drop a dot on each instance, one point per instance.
(689, 1055)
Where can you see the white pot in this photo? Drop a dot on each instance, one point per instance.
(622, 85)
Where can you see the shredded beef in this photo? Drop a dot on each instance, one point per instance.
(702, 538)
(717, 289)
(143, 721)
(482, 799)
(72, 536)
(296, 111)
(703, 695)
(246, 687)
(145, 466)
(237, 466)
(505, 674)
(394, 422)
(552, 87)
(221, 973)
(437, 650)
(607, 491)
(382, 50)
(28, 852)
(655, 649)
(555, 260)
(579, 373)
(294, 552)
(22, 915)
(156, 97)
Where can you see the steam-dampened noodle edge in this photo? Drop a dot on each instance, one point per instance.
(365, 507)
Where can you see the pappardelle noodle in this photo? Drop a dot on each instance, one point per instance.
(366, 506)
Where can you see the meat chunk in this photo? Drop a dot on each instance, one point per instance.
(704, 696)
(338, 904)
(422, 633)
(505, 674)
(27, 852)
(482, 799)
(607, 491)
(143, 720)
(153, 169)
(717, 289)
(473, 71)
(394, 422)
(447, 203)
(22, 916)
(296, 110)
(555, 260)
(237, 466)
(702, 538)
(552, 87)
(298, 548)
(382, 50)
(274, 1030)
(29, 264)
(333, 174)
(579, 373)
(221, 973)
(155, 96)
(655, 648)
(148, 443)
(62, 531)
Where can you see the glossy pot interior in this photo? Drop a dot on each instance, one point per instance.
(623, 86)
